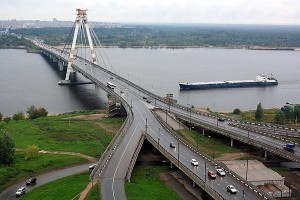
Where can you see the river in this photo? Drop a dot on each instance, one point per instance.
(28, 79)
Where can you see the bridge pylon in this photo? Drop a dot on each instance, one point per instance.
(81, 23)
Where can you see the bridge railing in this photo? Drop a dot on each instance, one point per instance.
(211, 160)
(242, 138)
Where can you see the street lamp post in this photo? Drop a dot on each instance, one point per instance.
(158, 136)
(178, 153)
(247, 170)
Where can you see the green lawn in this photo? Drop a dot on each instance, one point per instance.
(145, 184)
(94, 193)
(212, 146)
(60, 133)
(64, 188)
(22, 169)
(56, 133)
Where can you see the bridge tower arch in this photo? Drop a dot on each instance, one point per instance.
(81, 20)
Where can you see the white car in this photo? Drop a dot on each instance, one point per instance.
(194, 162)
(220, 172)
(20, 191)
(92, 166)
(231, 189)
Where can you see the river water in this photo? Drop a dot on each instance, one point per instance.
(28, 79)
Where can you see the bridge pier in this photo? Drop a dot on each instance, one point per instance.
(54, 59)
(194, 184)
(203, 131)
(60, 65)
(171, 165)
(266, 156)
(231, 142)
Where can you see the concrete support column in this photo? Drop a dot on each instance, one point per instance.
(266, 156)
(194, 184)
(171, 165)
(203, 131)
(55, 59)
(60, 65)
(231, 142)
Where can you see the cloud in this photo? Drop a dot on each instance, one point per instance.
(187, 11)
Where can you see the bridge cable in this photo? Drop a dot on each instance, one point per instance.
(69, 38)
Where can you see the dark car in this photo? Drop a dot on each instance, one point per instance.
(172, 145)
(31, 181)
(220, 119)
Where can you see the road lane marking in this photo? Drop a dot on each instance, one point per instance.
(121, 159)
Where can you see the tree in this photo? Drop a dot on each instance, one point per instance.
(259, 113)
(32, 152)
(279, 117)
(34, 112)
(6, 119)
(18, 116)
(237, 111)
(1, 116)
(6, 149)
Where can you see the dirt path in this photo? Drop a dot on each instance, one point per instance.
(231, 156)
(85, 192)
(89, 158)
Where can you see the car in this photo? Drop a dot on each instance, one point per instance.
(194, 162)
(172, 145)
(20, 191)
(221, 119)
(144, 97)
(92, 166)
(31, 181)
(211, 175)
(111, 78)
(231, 189)
(220, 172)
(148, 101)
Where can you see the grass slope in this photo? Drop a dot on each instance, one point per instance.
(212, 146)
(22, 169)
(145, 184)
(64, 188)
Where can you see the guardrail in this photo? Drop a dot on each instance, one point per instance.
(134, 157)
(244, 139)
(260, 192)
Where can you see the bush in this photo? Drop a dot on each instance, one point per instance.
(6, 119)
(1, 116)
(6, 149)
(34, 112)
(18, 116)
(279, 117)
(32, 152)
(237, 111)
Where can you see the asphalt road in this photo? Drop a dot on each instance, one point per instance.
(113, 176)
(10, 193)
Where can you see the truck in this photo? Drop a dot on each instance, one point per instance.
(289, 147)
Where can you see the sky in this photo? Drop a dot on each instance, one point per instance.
(162, 11)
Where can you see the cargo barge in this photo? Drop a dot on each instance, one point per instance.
(261, 81)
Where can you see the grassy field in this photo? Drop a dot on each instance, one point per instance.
(94, 193)
(22, 169)
(64, 188)
(268, 117)
(63, 133)
(212, 146)
(145, 184)
(66, 132)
